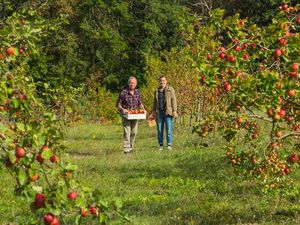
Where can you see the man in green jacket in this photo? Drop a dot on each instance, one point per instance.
(164, 110)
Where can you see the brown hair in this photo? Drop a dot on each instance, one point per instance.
(163, 76)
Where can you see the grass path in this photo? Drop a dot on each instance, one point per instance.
(188, 185)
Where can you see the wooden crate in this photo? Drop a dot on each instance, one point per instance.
(135, 116)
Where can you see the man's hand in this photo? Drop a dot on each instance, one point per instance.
(152, 116)
(124, 111)
(175, 115)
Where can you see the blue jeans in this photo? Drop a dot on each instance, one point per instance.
(161, 121)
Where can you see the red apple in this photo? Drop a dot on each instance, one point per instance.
(233, 161)
(10, 51)
(238, 73)
(209, 57)
(22, 97)
(295, 66)
(278, 85)
(294, 158)
(282, 112)
(222, 55)
(239, 120)
(277, 52)
(291, 93)
(293, 74)
(234, 40)
(222, 49)
(39, 158)
(34, 177)
(231, 58)
(39, 200)
(280, 101)
(203, 78)
(93, 210)
(228, 153)
(55, 221)
(282, 41)
(277, 117)
(289, 119)
(242, 22)
(238, 48)
(20, 152)
(227, 87)
(84, 212)
(72, 195)
(48, 218)
(54, 158)
(286, 170)
(246, 56)
(245, 45)
(2, 56)
(270, 112)
(45, 147)
(278, 134)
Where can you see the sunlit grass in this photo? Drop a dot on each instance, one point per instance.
(189, 185)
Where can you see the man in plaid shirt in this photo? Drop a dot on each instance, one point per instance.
(129, 98)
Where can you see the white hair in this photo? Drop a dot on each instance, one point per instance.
(131, 78)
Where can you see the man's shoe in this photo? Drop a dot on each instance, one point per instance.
(128, 150)
(161, 148)
(169, 147)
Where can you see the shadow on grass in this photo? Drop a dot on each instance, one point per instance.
(193, 166)
(221, 184)
(96, 138)
(87, 153)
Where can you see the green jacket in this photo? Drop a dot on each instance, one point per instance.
(170, 101)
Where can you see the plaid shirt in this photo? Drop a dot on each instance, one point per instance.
(129, 101)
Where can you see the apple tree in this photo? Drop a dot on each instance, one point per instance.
(256, 70)
(30, 136)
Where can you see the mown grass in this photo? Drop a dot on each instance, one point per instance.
(189, 185)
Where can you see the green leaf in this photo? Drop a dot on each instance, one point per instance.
(78, 219)
(102, 218)
(46, 154)
(32, 172)
(61, 183)
(55, 212)
(71, 167)
(10, 91)
(9, 141)
(12, 156)
(285, 59)
(37, 189)
(21, 126)
(16, 51)
(47, 114)
(69, 109)
(41, 140)
(118, 203)
(103, 204)
(22, 177)
(2, 128)
(46, 85)
(15, 102)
